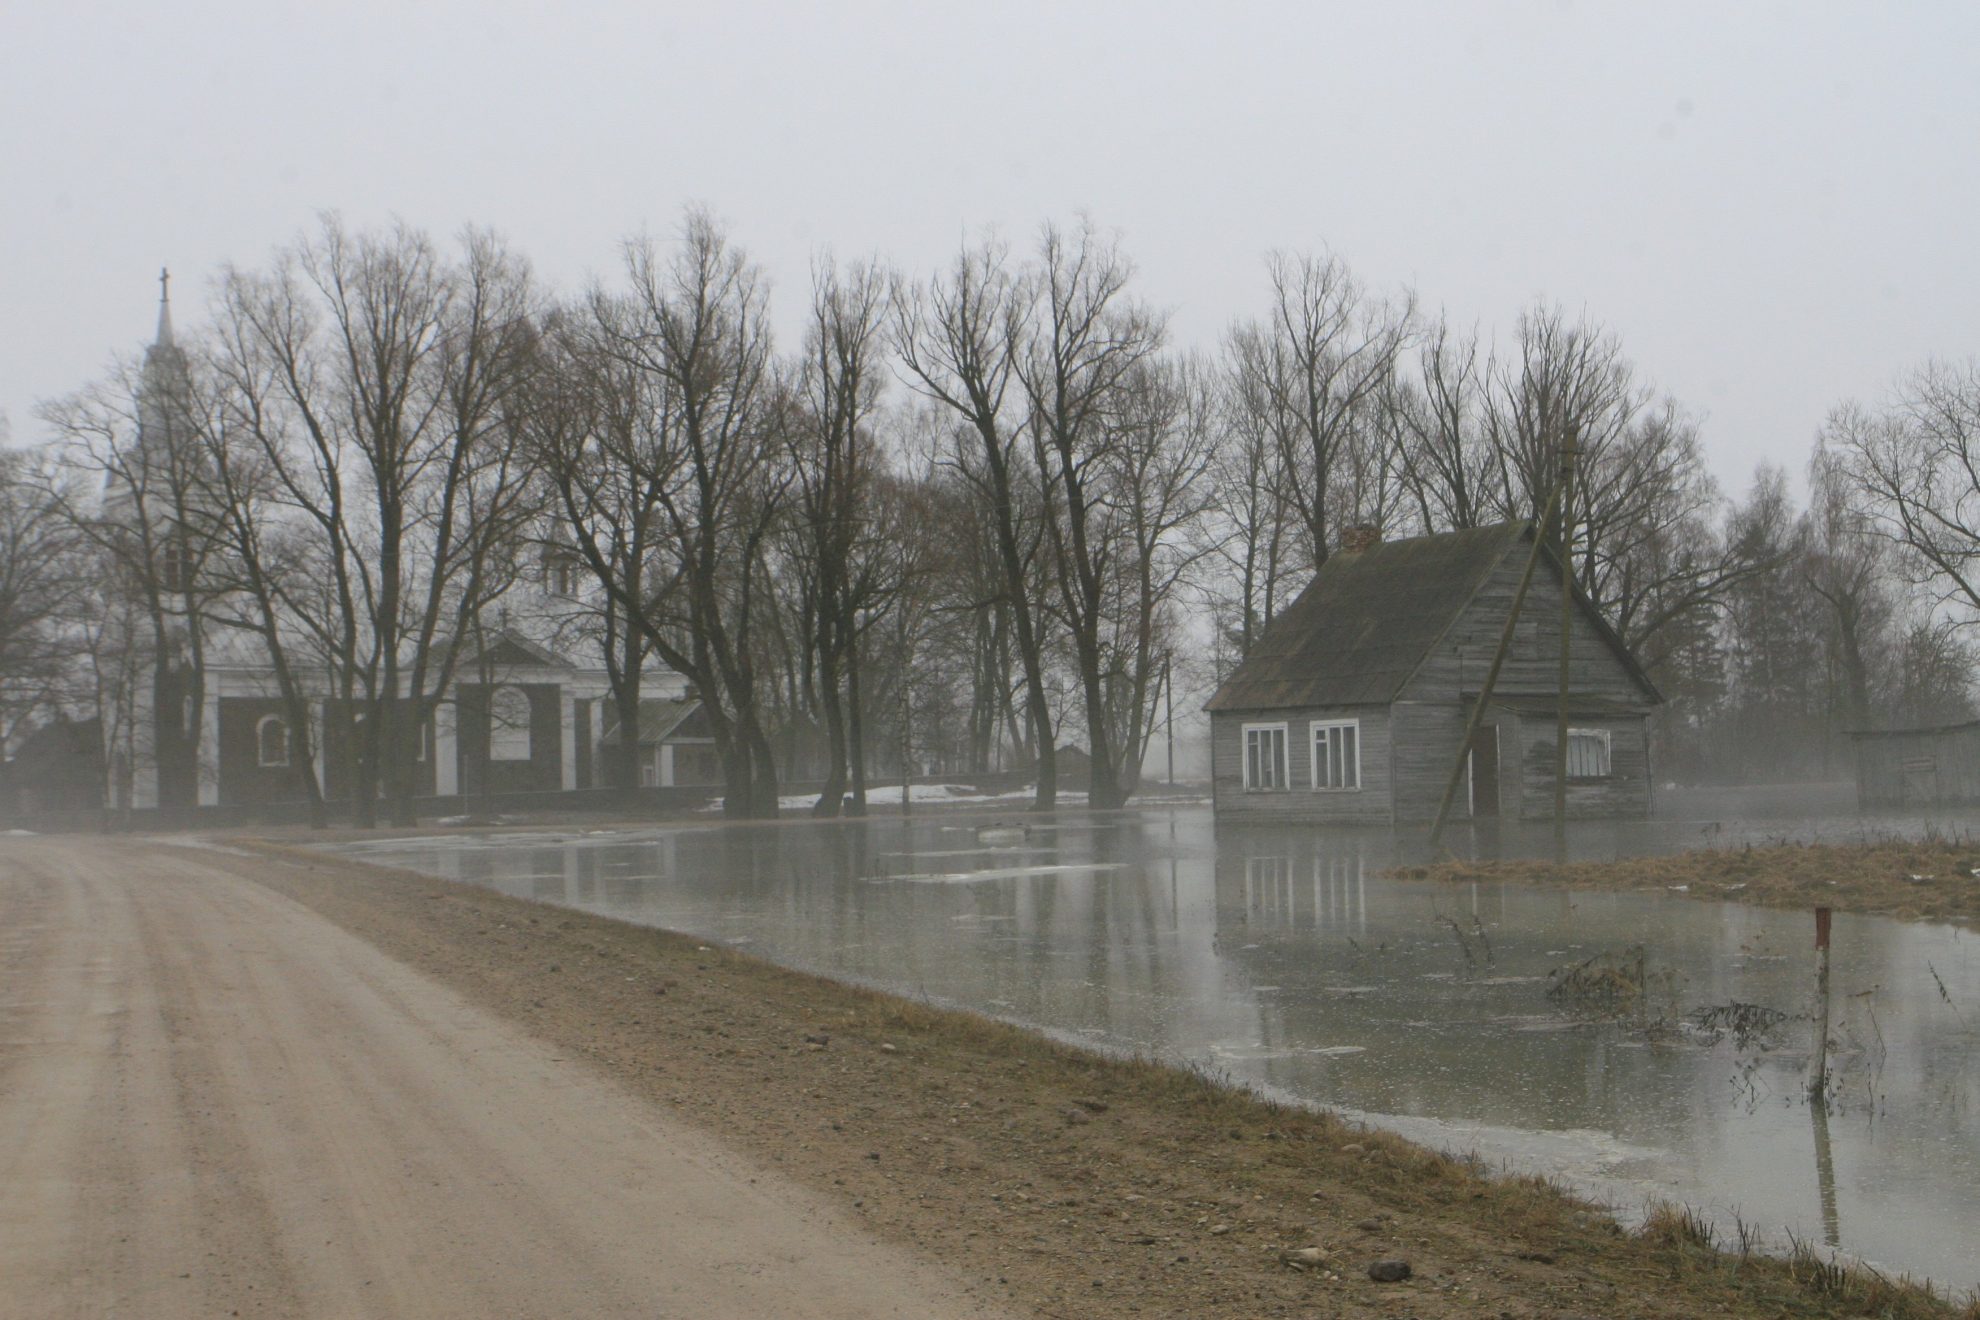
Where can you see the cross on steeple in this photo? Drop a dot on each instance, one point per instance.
(164, 307)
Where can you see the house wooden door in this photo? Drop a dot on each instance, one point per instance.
(1485, 773)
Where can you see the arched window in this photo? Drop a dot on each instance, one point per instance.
(271, 741)
(508, 725)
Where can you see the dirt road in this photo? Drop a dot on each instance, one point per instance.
(215, 1102)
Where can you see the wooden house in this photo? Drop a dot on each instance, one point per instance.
(1353, 703)
(1924, 767)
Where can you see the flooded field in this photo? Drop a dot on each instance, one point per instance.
(1638, 1047)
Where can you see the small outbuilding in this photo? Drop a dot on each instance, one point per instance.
(676, 743)
(57, 770)
(1352, 706)
(1925, 767)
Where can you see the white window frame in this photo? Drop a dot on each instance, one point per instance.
(1246, 760)
(508, 741)
(1313, 734)
(1602, 737)
(261, 745)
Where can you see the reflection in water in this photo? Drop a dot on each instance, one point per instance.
(1825, 1173)
(1285, 958)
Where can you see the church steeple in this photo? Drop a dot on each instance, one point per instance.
(165, 385)
(164, 338)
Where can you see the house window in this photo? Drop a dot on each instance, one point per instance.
(1265, 756)
(1337, 754)
(508, 725)
(271, 742)
(1588, 753)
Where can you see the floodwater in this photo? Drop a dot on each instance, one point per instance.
(1566, 1033)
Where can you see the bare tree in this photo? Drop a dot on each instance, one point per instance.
(389, 432)
(42, 587)
(1931, 682)
(1155, 471)
(1445, 454)
(1773, 645)
(1323, 357)
(957, 341)
(1256, 532)
(1916, 463)
(140, 504)
(600, 429)
(692, 445)
(835, 459)
(1086, 341)
(1644, 503)
(1850, 570)
(260, 558)
(1565, 384)
(970, 629)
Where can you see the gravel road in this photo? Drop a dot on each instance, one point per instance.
(215, 1102)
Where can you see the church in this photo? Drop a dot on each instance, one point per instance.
(195, 719)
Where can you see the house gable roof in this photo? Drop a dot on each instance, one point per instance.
(507, 647)
(662, 719)
(1370, 617)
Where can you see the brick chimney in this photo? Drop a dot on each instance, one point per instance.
(1359, 536)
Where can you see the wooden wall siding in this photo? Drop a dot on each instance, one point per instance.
(1426, 742)
(1919, 767)
(1532, 667)
(1370, 805)
(541, 773)
(244, 781)
(1512, 766)
(336, 730)
(1623, 793)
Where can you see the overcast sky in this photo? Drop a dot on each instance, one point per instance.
(1774, 205)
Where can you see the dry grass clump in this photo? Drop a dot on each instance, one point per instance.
(1807, 1275)
(1930, 880)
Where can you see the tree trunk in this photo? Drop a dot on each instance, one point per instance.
(856, 737)
(402, 758)
(831, 798)
(1103, 791)
(624, 768)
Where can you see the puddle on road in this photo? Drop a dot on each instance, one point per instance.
(1638, 1046)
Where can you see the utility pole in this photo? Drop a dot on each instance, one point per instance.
(1169, 694)
(1565, 545)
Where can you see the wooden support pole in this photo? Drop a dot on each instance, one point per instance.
(1169, 725)
(1818, 1072)
(1492, 672)
(907, 747)
(1567, 649)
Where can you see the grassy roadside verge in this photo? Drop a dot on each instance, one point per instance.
(1925, 881)
(1070, 1184)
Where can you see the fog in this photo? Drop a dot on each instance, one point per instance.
(1770, 204)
